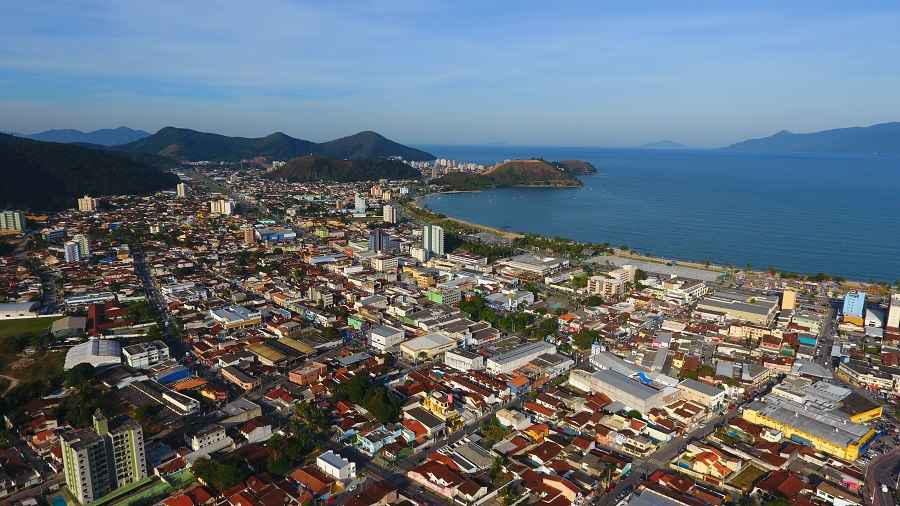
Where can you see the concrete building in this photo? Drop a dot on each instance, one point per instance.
(539, 266)
(854, 304)
(630, 392)
(390, 214)
(789, 299)
(384, 338)
(516, 358)
(708, 396)
(70, 252)
(12, 221)
(433, 240)
(733, 305)
(221, 206)
(236, 316)
(336, 466)
(826, 431)
(208, 440)
(97, 461)
(84, 246)
(87, 204)
(427, 346)
(464, 360)
(893, 319)
(181, 190)
(96, 352)
(144, 355)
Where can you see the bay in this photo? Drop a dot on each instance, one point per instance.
(799, 213)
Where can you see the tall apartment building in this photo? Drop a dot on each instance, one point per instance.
(893, 319)
(12, 221)
(390, 214)
(433, 240)
(87, 204)
(70, 250)
(359, 204)
(181, 190)
(97, 461)
(84, 246)
(221, 206)
(381, 241)
(249, 236)
(854, 304)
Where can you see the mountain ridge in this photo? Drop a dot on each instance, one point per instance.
(308, 168)
(880, 138)
(50, 176)
(102, 137)
(187, 144)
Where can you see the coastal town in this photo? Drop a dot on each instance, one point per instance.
(244, 340)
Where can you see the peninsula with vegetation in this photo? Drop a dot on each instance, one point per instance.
(534, 173)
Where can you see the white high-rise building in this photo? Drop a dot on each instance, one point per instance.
(390, 214)
(433, 240)
(181, 190)
(87, 204)
(221, 206)
(359, 204)
(84, 246)
(893, 319)
(70, 249)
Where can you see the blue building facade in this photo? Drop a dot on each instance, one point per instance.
(854, 304)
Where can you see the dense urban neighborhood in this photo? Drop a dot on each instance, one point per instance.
(243, 340)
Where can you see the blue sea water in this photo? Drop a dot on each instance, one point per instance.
(800, 213)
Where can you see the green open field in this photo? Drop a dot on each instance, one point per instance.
(26, 326)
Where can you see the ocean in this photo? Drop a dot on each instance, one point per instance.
(798, 213)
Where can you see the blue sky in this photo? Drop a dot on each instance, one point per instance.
(456, 72)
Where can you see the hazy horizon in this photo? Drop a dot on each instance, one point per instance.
(454, 73)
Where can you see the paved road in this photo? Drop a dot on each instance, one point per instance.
(882, 470)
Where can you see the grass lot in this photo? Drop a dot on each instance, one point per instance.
(747, 477)
(26, 326)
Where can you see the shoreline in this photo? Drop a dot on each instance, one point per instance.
(713, 267)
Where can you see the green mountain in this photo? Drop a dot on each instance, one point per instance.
(515, 173)
(317, 168)
(184, 144)
(49, 176)
(103, 137)
(368, 144)
(883, 138)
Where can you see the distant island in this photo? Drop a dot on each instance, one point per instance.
(318, 168)
(185, 144)
(50, 176)
(882, 138)
(663, 144)
(102, 137)
(519, 173)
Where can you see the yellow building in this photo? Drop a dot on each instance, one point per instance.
(789, 299)
(441, 406)
(840, 438)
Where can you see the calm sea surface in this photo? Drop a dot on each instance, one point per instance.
(835, 214)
